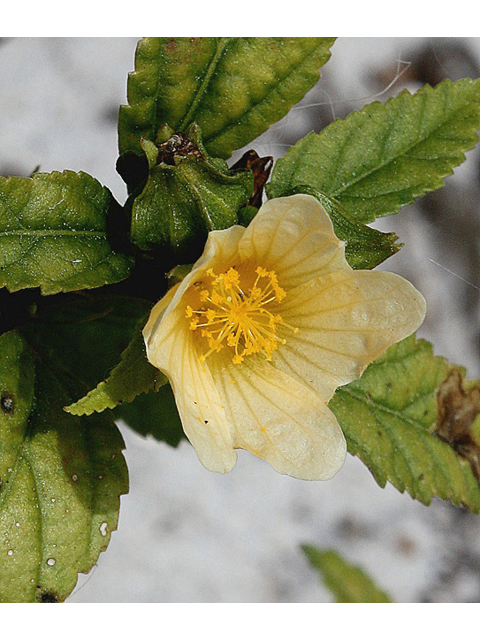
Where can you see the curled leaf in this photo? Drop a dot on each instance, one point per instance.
(260, 168)
(457, 410)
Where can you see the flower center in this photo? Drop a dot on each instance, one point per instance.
(238, 317)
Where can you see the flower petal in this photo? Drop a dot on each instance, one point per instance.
(279, 420)
(171, 349)
(345, 320)
(295, 237)
(158, 311)
(220, 253)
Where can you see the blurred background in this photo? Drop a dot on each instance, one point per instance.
(186, 534)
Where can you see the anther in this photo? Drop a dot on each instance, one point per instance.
(239, 318)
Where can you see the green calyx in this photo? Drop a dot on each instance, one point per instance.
(186, 195)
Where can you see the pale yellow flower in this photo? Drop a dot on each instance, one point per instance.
(269, 322)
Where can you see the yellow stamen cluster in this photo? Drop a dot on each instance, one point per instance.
(230, 316)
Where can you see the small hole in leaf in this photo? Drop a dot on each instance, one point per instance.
(7, 403)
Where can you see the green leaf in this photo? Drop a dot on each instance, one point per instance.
(234, 88)
(134, 375)
(347, 582)
(389, 417)
(66, 334)
(155, 414)
(365, 247)
(383, 157)
(186, 196)
(84, 337)
(53, 234)
(61, 481)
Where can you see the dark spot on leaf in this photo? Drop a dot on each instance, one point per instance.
(48, 596)
(7, 403)
(171, 46)
(456, 411)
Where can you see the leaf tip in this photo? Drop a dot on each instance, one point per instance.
(75, 409)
